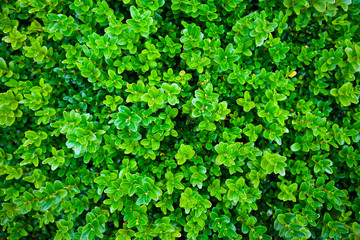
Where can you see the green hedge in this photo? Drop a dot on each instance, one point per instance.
(218, 119)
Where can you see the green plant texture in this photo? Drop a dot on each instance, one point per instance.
(179, 119)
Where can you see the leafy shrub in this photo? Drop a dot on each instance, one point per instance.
(137, 119)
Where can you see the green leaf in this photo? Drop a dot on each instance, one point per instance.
(187, 200)
(184, 153)
(320, 5)
(295, 147)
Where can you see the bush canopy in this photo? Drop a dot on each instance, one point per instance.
(179, 119)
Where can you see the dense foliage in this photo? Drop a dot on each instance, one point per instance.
(218, 119)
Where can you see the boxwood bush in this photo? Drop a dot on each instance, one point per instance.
(181, 119)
